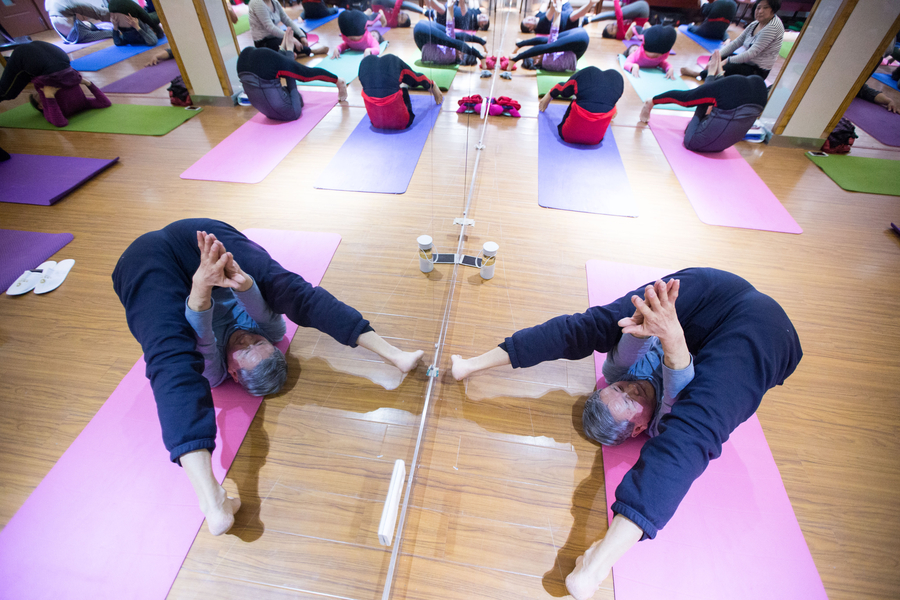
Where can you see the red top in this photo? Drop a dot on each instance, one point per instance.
(582, 126)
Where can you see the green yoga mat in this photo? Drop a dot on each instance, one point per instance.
(442, 75)
(242, 25)
(547, 79)
(786, 46)
(132, 119)
(345, 67)
(858, 174)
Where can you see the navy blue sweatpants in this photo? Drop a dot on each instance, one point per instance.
(153, 279)
(743, 345)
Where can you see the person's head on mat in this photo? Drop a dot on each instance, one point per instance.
(658, 40)
(255, 363)
(528, 24)
(484, 22)
(352, 24)
(609, 32)
(619, 411)
(403, 20)
(36, 103)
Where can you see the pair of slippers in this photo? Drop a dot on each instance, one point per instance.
(491, 61)
(499, 107)
(45, 278)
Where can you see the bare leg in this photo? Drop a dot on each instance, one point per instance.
(462, 368)
(594, 566)
(405, 361)
(218, 508)
(688, 72)
(342, 90)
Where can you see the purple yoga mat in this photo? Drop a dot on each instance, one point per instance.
(23, 250)
(146, 80)
(581, 178)
(877, 121)
(38, 179)
(359, 166)
(745, 201)
(378, 28)
(251, 152)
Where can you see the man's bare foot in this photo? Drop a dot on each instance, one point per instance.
(220, 517)
(407, 361)
(460, 368)
(581, 582)
(686, 72)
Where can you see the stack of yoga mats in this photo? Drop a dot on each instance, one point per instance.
(118, 524)
(44, 180)
(735, 534)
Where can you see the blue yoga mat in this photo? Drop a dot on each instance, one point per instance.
(110, 56)
(581, 178)
(345, 67)
(653, 82)
(709, 44)
(886, 79)
(381, 160)
(311, 24)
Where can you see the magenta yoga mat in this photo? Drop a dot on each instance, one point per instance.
(581, 178)
(113, 525)
(745, 201)
(44, 180)
(146, 80)
(877, 121)
(249, 154)
(735, 534)
(21, 251)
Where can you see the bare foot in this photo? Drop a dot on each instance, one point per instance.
(686, 72)
(407, 361)
(220, 518)
(582, 583)
(460, 368)
(342, 90)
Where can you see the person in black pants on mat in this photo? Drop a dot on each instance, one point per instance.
(316, 9)
(386, 81)
(727, 107)
(542, 21)
(572, 44)
(717, 17)
(743, 344)
(163, 274)
(270, 80)
(595, 94)
(430, 37)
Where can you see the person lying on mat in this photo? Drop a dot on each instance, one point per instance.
(386, 81)
(393, 12)
(355, 34)
(870, 94)
(739, 343)
(561, 55)
(465, 16)
(593, 107)
(265, 16)
(717, 16)
(761, 43)
(207, 267)
(316, 9)
(61, 90)
(727, 107)
(70, 19)
(542, 21)
(129, 31)
(657, 42)
(270, 81)
(634, 12)
(439, 48)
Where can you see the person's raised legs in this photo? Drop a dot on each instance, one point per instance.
(461, 368)
(595, 564)
(405, 361)
(218, 508)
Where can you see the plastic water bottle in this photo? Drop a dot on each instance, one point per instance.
(426, 257)
(489, 258)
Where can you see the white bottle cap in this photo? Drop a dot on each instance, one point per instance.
(490, 248)
(424, 241)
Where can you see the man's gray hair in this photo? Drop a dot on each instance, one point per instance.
(599, 424)
(267, 377)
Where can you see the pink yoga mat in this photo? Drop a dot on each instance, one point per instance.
(260, 144)
(735, 535)
(722, 187)
(114, 518)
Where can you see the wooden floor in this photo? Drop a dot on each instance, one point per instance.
(508, 491)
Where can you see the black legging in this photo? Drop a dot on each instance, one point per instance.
(717, 16)
(427, 32)
(630, 12)
(739, 69)
(133, 9)
(316, 10)
(381, 76)
(27, 62)
(574, 40)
